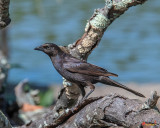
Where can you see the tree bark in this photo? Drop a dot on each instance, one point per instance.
(4, 13)
(110, 111)
(113, 110)
(4, 123)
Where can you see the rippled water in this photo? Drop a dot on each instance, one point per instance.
(130, 47)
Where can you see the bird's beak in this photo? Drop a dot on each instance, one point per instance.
(40, 48)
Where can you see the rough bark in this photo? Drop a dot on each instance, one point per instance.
(4, 123)
(113, 110)
(4, 13)
(110, 111)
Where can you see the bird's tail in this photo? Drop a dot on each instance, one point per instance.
(107, 80)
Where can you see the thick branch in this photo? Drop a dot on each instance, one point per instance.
(108, 111)
(97, 25)
(4, 123)
(4, 13)
(113, 110)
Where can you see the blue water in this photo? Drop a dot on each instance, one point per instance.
(130, 47)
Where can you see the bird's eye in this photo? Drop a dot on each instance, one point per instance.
(46, 47)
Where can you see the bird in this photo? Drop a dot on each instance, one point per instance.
(79, 71)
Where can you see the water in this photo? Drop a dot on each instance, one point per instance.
(129, 47)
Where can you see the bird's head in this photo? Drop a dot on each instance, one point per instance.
(49, 48)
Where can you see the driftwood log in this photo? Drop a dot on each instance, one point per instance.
(110, 111)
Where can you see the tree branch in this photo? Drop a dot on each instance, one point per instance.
(111, 110)
(4, 13)
(4, 123)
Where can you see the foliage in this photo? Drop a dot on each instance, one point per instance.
(46, 98)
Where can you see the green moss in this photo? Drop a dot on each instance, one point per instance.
(46, 98)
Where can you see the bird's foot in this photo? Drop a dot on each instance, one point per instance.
(72, 109)
(79, 103)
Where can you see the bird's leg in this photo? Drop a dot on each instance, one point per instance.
(82, 90)
(92, 87)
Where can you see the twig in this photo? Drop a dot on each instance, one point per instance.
(4, 123)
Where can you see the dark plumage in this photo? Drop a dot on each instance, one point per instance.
(79, 71)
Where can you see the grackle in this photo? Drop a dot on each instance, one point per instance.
(79, 71)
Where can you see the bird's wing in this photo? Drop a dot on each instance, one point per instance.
(75, 65)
